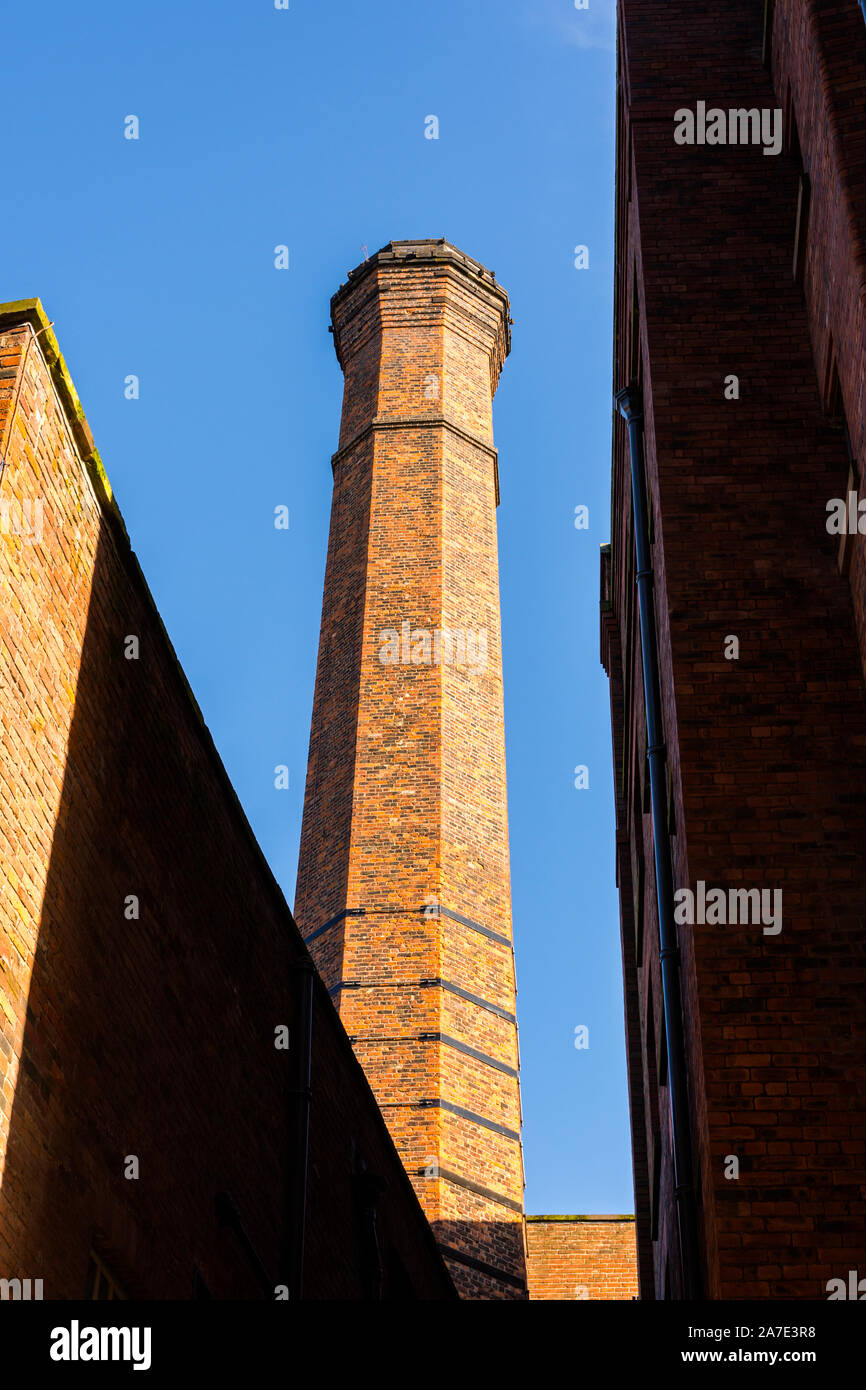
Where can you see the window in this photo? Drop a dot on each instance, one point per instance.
(634, 356)
(662, 1050)
(831, 390)
(766, 47)
(801, 225)
(834, 410)
(843, 558)
(790, 134)
(655, 1187)
(638, 903)
(652, 1073)
(629, 647)
(804, 192)
(101, 1283)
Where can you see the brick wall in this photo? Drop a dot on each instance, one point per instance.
(148, 1030)
(584, 1257)
(403, 885)
(816, 54)
(766, 754)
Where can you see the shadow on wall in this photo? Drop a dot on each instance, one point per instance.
(497, 1271)
(148, 1080)
(152, 1151)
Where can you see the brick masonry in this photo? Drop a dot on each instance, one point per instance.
(816, 55)
(582, 1257)
(766, 754)
(149, 1035)
(403, 886)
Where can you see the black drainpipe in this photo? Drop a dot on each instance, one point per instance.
(301, 1046)
(630, 406)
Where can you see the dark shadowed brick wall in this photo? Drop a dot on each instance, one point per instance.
(766, 754)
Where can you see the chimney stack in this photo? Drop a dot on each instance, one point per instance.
(403, 886)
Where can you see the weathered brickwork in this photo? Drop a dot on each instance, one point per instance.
(149, 1030)
(766, 754)
(403, 885)
(583, 1257)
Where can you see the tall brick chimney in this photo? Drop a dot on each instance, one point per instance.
(403, 887)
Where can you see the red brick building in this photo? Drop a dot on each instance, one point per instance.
(733, 629)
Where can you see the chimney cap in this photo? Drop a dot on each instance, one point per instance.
(424, 249)
(420, 254)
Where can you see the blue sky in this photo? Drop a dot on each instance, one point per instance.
(155, 257)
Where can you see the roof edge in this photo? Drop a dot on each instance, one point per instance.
(22, 311)
(625, 1217)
